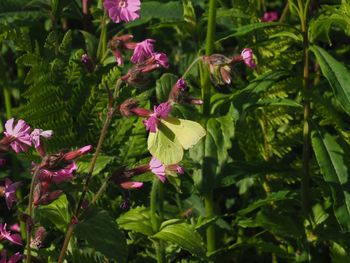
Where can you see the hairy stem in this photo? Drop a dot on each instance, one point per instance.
(103, 133)
(206, 87)
(30, 215)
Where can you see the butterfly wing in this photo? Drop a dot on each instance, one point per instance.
(187, 132)
(164, 145)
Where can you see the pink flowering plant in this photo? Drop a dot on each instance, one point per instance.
(174, 131)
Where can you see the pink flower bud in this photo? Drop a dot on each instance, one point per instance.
(247, 57)
(77, 153)
(269, 16)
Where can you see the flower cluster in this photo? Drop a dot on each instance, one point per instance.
(20, 137)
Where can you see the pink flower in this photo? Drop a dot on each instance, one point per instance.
(161, 170)
(18, 134)
(13, 238)
(161, 59)
(158, 169)
(160, 112)
(59, 176)
(269, 16)
(143, 51)
(10, 192)
(14, 259)
(37, 133)
(151, 123)
(126, 10)
(131, 185)
(247, 57)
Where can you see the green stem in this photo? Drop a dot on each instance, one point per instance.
(206, 90)
(305, 179)
(30, 215)
(8, 106)
(209, 212)
(155, 219)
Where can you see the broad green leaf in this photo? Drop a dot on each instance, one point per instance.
(164, 86)
(337, 75)
(102, 233)
(211, 153)
(171, 11)
(163, 145)
(333, 157)
(56, 212)
(101, 163)
(187, 132)
(136, 220)
(182, 234)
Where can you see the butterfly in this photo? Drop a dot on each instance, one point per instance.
(172, 137)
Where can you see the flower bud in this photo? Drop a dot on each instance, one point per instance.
(130, 107)
(70, 156)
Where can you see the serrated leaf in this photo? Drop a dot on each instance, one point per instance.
(136, 220)
(333, 158)
(182, 234)
(102, 234)
(337, 75)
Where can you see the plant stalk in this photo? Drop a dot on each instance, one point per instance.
(305, 179)
(30, 215)
(155, 220)
(106, 124)
(206, 94)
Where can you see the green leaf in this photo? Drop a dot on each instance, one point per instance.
(102, 234)
(164, 85)
(333, 157)
(136, 220)
(273, 197)
(338, 253)
(276, 102)
(171, 11)
(211, 153)
(101, 163)
(243, 30)
(56, 212)
(182, 234)
(337, 75)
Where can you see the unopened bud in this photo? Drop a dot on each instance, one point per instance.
(130, 107)
(77, 153)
